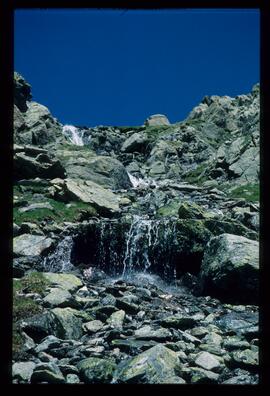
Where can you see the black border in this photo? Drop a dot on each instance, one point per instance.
(6, 143)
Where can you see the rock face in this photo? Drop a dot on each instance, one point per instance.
(231, 266)
(22, 92)
(156, 120)
(136, 247)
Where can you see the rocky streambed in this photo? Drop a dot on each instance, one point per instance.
(142, 330)
(136, 253)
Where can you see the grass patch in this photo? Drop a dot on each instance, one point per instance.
(78, 211)
(196, 175)
(25, 307)
(153, 132)
(249, 191)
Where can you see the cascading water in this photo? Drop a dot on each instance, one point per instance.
(74, 134)
(146, 240)
(139, 182)
(60, 259)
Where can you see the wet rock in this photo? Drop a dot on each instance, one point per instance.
(231, 262)
(155, 366)
(95, 370)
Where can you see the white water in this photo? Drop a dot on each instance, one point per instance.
(60, 259)
(141, 183)
(74, 135)
(143, 234)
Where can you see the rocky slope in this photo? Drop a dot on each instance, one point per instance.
(136, 248)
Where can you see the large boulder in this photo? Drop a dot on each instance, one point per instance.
(136, 142)
(68, 282)
(66, 324)
(104, 200)
(156, 365)
(30, 163)
(31, 245)
(94, 370)
(157, 119)
(106, 171)
(230, 268)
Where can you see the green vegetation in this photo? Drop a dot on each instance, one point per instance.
(25, 307)
(169, 210)
(75, 211)
(153, 132)
(196, 175)
(249, 191)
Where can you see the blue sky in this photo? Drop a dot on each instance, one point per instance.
(117, 67)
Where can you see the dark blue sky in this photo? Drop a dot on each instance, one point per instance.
(113, 67)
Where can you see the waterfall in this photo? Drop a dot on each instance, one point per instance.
(60, 259)
(74, 134)
(141, 238)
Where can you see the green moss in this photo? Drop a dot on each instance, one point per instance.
(78, 211)
(25, 307)
(249, 191)
(169, 210)
(196, 175)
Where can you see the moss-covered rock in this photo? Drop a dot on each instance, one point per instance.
(94, 370)
(155, 366)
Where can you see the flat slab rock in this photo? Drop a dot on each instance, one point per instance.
(31, 245)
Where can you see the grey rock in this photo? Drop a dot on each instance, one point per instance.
(68, 282)
(136, 142)
(116, 319)
(67, 324)
(156, 120)
(22, 92)
(207, 361)
(58, 298)
(231, 262)
(47, 372)
(72, 379)
(95, 370)
(148, 333)
(23, 371)
(155, 366)
(31, 245)
(93, 326)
